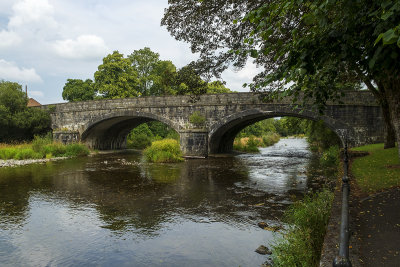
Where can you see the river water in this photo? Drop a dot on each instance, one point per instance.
(117, 210)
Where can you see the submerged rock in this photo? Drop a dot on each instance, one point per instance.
(267, 227)
(263, 250)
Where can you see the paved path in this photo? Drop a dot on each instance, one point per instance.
(377, 228)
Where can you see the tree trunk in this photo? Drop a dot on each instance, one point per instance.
(390, 134)
(379, 93)
(392, 91)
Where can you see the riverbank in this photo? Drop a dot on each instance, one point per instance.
(252, 143)
(16, 162)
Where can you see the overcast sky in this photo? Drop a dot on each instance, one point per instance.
(45, 42)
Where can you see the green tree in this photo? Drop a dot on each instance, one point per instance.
(145, 61)
(189, 82)
(164, 78)
(217, 87)
(17, 121)
(78, 90)
(307, 47)
(116, 78)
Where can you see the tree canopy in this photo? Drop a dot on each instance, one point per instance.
(79, 90)
(141, 73)
(17, 121)
(116, 77)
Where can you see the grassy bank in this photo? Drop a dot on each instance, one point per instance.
(377, 171)
(252, 143)
(301, 244)
(40, 148)
(166, 150)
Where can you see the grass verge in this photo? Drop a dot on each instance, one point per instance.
(301, 244)
(377, 171)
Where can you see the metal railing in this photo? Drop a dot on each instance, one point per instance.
(342, 259)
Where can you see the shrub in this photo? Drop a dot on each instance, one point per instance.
(270, 139)
(197, 119)
(330, 157)
(8, 153)
(27, 153)
(56, 149)
(40, 141)
(302, 242)
(166, 150)
(76, 150)
(139, 141)
(247, 144)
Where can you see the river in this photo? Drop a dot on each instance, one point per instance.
(117, 210)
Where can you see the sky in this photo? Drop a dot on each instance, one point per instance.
(45, 42)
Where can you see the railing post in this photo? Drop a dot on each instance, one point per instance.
(342, 259)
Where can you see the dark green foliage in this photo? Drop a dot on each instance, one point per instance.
(330, 157)
(142, 136)
(258, 128)
(17, 121)
(289, 126)
(78, 90)
(188, 82)
(301, 243)
(321, 137)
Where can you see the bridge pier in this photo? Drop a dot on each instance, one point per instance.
(66, 137)
(194, 143)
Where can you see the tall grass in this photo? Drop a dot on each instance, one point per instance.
(166, 150)
(301, 244)
(42, 147)
(252, 143)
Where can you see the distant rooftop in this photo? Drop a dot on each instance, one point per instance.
(33, 103)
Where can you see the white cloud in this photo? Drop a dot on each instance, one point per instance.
(9, 71)
(32, 11)
(84, 47)
(8, 39)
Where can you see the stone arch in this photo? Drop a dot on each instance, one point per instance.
(110, 131)
(223, 132)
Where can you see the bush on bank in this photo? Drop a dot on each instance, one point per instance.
(252, 143)
(301, 244)
(166, 150)
(42, 147)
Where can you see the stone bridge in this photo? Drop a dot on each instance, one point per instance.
(105, 124)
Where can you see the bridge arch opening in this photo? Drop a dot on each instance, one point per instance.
(111, 132)
(223, 134)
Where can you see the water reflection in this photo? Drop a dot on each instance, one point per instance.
(115, 209)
